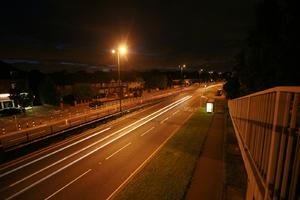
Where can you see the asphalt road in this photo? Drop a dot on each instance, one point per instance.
(93, 165)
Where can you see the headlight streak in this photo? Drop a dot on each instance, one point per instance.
(163, 110)
(86, 138)
(52, 153)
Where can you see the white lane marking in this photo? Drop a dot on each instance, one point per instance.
(160, 110)
(147, 131)
(59, 161)
(52, 195)
(65, 158)
(164, 120)
(118, 151)
(54, 152)
(175, 112)
(91, 152)
(144, 163)
(59, 150)
(61, 169)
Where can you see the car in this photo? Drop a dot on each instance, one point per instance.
(95, 104)
(10, 111)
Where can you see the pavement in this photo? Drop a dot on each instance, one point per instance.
(208, 179)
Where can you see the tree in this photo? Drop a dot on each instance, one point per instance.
(83, 91)
(156, 80)
(232, 88)
(23, 99)
(270, 56)
(48, 92)
(35, 78)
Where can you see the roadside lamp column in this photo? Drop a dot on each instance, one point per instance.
(181, 67)
(120, 51)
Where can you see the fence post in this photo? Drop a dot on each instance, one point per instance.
(274, 146)
(247, 121)
(288, 156)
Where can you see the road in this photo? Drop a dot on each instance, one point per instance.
(47, 125)
(93, 165)
(40, 116)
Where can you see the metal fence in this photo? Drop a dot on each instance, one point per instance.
(266, 124)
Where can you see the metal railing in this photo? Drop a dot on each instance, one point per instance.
(266, 124)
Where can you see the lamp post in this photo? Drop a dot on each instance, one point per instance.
(120, 51)
(181, 67)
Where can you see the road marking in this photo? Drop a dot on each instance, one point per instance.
(59, 161)
(52, 195)
(118, 151)
(7, 165)
(164, 120)
(147, 131)
(48, 149)
(144, 163)
(54, 152)
(102, 146)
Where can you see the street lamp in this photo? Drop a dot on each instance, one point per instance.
(181, 67)
(122, 50)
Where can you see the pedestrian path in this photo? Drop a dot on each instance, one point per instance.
(207, 181)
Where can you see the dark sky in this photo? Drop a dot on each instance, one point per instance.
(158, 33)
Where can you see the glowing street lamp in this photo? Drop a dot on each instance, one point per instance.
(122, 50)
(181, 67)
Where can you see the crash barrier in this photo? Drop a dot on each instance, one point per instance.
(266, 124)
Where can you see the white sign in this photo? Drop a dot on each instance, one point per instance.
(209, 107)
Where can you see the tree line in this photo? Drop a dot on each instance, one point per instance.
(36, 88)
(270, 55)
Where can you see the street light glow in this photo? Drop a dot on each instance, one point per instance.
(122, 50)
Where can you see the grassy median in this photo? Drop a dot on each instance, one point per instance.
(169, 172)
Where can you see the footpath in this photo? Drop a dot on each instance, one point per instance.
(208, 178)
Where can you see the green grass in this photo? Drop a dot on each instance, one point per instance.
(168, 173)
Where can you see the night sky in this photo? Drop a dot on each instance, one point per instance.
(158, 33)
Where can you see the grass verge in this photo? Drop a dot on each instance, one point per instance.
(168, 173)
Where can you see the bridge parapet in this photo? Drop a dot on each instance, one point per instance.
(266, 124)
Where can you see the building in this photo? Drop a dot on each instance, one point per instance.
(6, 102)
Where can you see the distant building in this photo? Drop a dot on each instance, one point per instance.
(108, 90)
(6, 102)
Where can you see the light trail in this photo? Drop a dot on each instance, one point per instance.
(161, 111)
